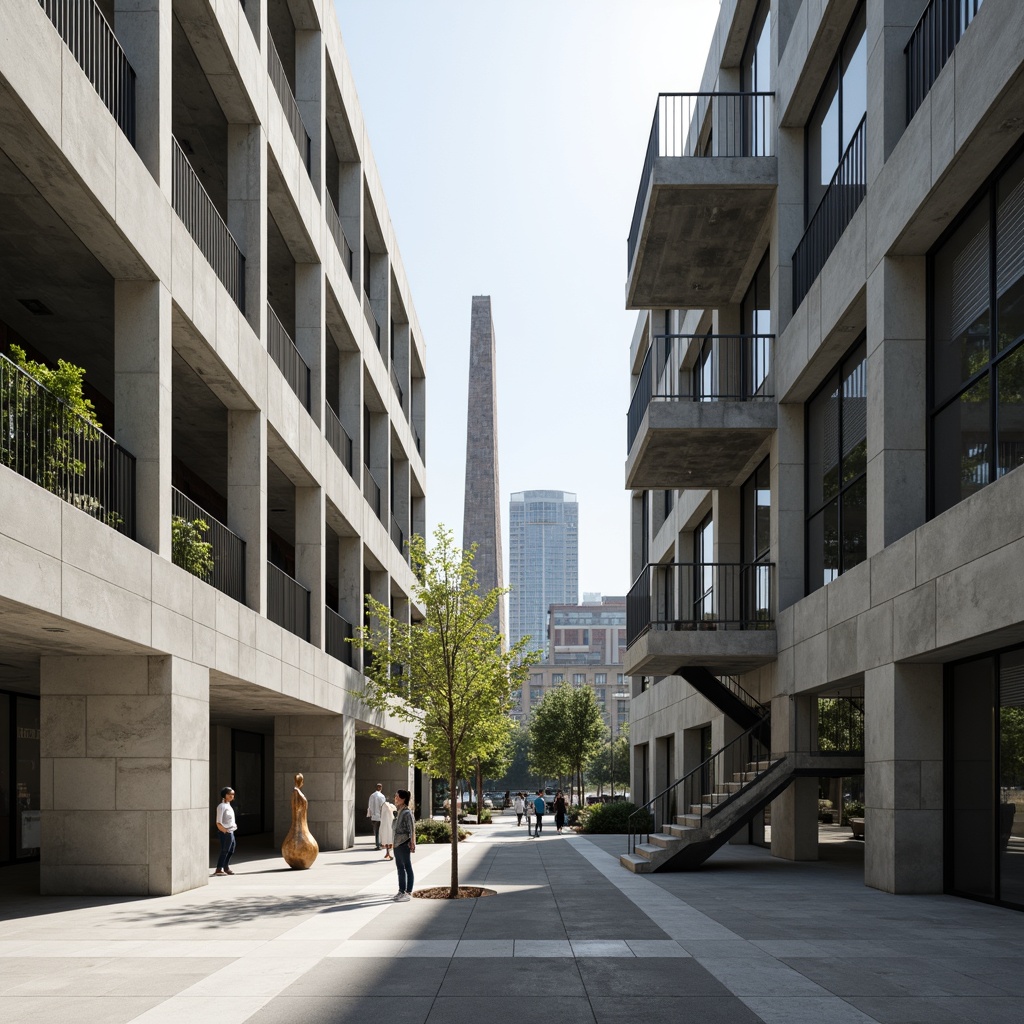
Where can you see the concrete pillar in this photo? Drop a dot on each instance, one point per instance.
(310, 545)
(144, 32)
(786, 468)
(309, 333)
(897, 399)
(309, 88)
(247, 498)
(795, 811)
(247, 213)
(124, 762)
(789, 224)
(142, 402)
(725, 505)
(903, 769)
(321, 748)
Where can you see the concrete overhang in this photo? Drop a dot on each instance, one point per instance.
(702, 222)
(661, 652)
(687, 444)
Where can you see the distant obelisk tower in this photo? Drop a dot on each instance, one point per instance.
(481, 521)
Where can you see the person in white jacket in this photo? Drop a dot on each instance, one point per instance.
(519, 804)
(377, 801)
(387, 828)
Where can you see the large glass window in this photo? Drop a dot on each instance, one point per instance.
(755, 543)
(837, 472)
(977, 344)
(704, 574)
(756, 320)
(757, 77)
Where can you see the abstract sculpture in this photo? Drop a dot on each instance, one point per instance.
(299, 848)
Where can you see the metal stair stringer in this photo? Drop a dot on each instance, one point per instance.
(745, 713)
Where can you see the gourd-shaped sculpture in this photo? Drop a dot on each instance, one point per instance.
(299, 848)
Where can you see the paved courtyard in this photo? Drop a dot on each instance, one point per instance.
(569, 936)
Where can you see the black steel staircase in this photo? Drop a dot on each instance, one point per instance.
(727, 695)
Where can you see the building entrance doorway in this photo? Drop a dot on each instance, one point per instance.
(247, 771)
(19, 778)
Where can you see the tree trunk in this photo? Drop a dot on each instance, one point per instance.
(453, 890)
(479, 794)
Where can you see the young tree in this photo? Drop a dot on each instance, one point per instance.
(456, 686)
(566, 731)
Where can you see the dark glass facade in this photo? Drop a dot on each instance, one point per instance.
(19, 777)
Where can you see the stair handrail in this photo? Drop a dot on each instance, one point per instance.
(633, 833)
(732, 684)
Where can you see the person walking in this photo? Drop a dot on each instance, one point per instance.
(227, 827)
(539, 808)
(405, 845)
(560, 810)
(387, 828)
(519, 804)
(528, 814)
(377, 801)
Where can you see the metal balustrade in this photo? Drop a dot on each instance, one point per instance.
(396, 384)
(932, 44)
(289, 361)
(338, 438)
(291, 109)
(372, 492)
(704, 124)
(45, 441)
(93, 44)
(339, 236)
(681, 596)
(206, 226)
(337, 632)
(287, 602)
(398, 537)
(840, 202)
(372, 322)
(228, 549)
(728, 367)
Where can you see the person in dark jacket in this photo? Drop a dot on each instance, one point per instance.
(560, 810)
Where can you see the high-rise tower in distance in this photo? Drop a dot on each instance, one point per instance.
(543, 561)
(481, 520)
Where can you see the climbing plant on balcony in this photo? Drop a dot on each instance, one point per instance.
(188, 548)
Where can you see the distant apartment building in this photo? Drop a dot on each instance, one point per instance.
(543, 558)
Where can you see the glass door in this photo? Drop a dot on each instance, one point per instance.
(247, 779)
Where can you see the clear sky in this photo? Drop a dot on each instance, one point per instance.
(510, 138)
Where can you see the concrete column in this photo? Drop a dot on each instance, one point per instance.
(310, 546)
(789, 224)
(309, 88)
(903, 770)
(124, 764)
(309, 333)
(247, 213)
(144, 31)
(786, 468)
(321, 747)
(247, 498)
(795, 812)
(725, 504)
(142, 402)
(897, 418)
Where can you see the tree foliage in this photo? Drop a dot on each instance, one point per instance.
(566, 731)
(188, 548)
(456, 686)
(610, 765)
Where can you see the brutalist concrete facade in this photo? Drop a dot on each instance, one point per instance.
(191, 211)
(923, 586)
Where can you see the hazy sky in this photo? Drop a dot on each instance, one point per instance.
(510, 139)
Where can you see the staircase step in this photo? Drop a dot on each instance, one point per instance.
(681, 831)
(732, 787)
(648, 850)
(698, 808)
(758, 766)
(690, 821)
(638, 865)
(664, 840)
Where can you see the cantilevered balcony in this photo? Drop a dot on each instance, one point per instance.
(282, 87)
(338, 633)
(289, 361)
(932, 44)
(701, 409)
(708, 182)
(717, 615)
(287, 602)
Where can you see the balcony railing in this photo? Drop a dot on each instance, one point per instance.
(398, 537)
(94, 45)
(840, 202)
(228, 549)
(283, 351)
(371, 320)
(45, 441)
(287, 602)
(339, 236)
(338, 439)
(371, 491)
(704, 124)
(396, 384)
(932, 44)
(728, 367)
(701, 596)
(291, 109)
(206, 226)
(338, 631)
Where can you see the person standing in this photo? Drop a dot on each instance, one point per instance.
(405, 845)
(387, 828)
(520, 805)
(559, 809)
(377, 801)
(539, 808)
(227, 827)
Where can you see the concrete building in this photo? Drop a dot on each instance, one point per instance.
(543, 561)
(481, 521)
(189, 209)
(828, 260)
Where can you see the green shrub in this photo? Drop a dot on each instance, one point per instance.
(430, 831)
(572, 817)
(188, 549)
(613, 819)
(854, 809)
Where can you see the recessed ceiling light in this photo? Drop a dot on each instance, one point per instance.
(36, 308)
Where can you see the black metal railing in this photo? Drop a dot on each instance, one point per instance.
(289, 361)
(728, 367)
(840, 202)
(372, 322)
(339, 236)
(47, 442)
(291, 109)
(372, 493)
(701, 596)
(338, 438)
(932, 44)
(93, 44)
(338, 632)
(398, 537)
(206, 226)
(227, 549)
(732, 684)
(396, 384)
(419, 441)
(705, 790)
(704, 124)
(287, 602)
